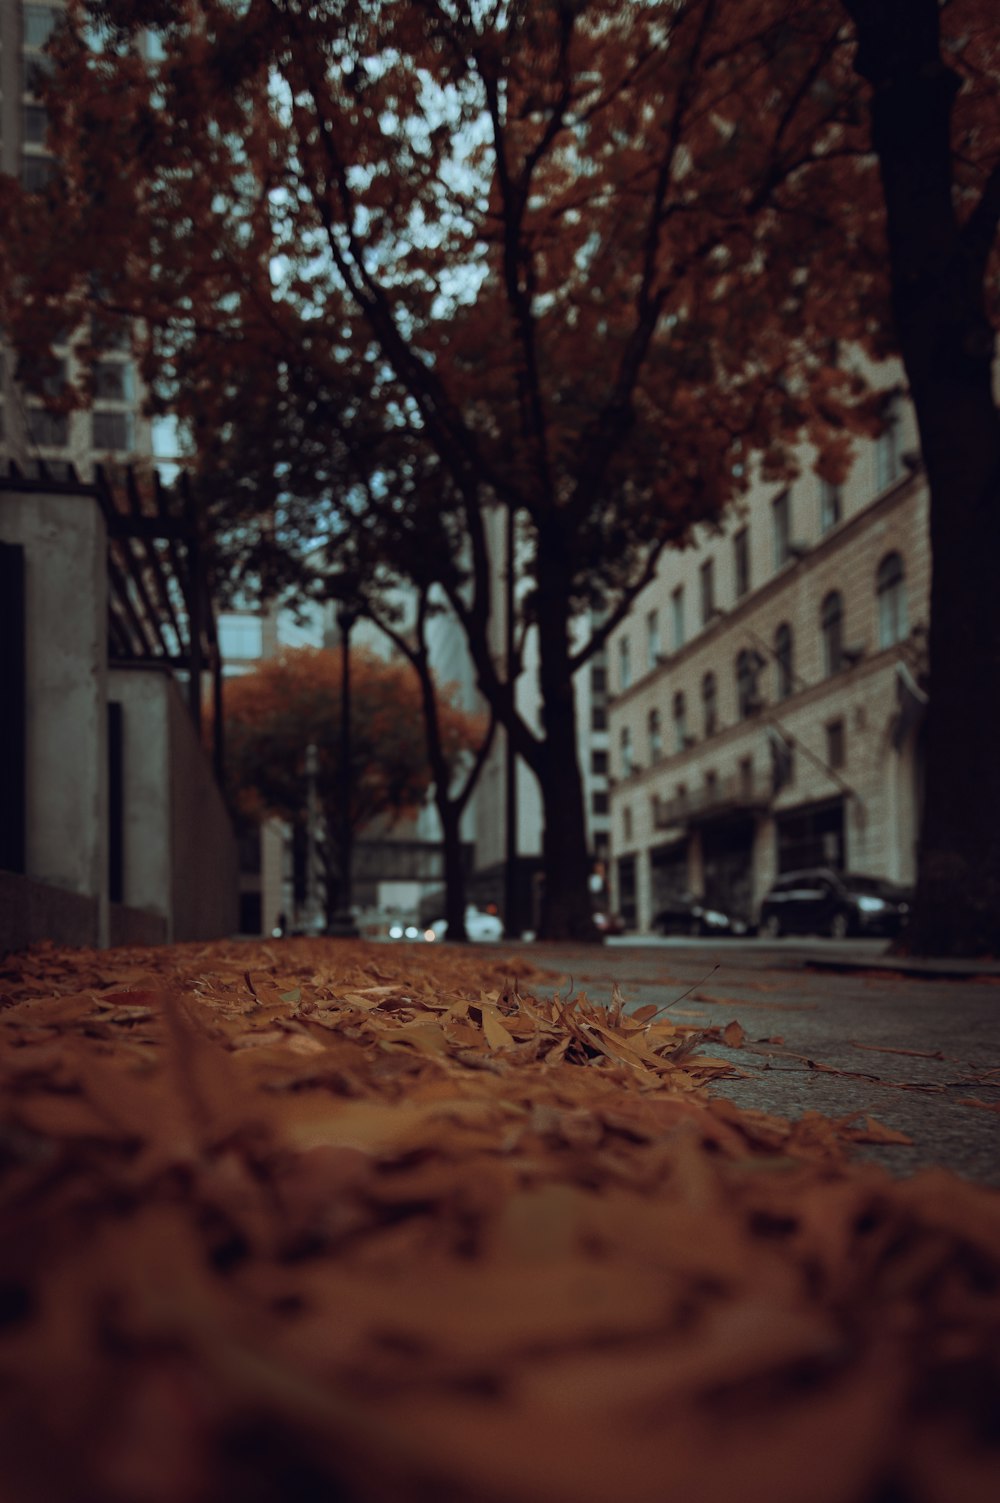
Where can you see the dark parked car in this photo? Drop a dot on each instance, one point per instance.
(686, 914)
(822, 901)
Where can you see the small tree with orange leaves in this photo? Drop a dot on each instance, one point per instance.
(293, 701)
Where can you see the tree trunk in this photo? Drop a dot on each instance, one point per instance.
(454, 868)
(565, 910)
(947, 344)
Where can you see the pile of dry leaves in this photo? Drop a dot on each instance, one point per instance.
(328, 1221)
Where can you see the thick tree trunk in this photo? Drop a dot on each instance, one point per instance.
(566, 909)
(947, 345)
(454, 868)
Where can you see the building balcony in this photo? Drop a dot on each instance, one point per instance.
(739, 793)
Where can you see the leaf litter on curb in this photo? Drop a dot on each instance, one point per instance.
(334, 1220)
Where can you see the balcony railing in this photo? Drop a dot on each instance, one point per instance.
(737, 793)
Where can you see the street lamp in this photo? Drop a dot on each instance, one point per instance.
(342, 925)
(511, 915)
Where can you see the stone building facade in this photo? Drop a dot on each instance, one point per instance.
(768, 691)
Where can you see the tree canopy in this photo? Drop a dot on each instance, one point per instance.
(288, 702)
(583, 261)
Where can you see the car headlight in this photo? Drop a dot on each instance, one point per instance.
(430, 936)
(396, 932)
(868, 904)
(715, 918)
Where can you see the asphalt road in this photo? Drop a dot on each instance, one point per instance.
(856, 1035)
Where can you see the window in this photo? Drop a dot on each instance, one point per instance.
(113, 430)
(680, 723)
(36, 124)
(652, 639)
(710, 704)
(890, 591)
(39, 24)
(627, 824)
(34, 71)
(781, 523)
(887, 456)
(783, 658)
(599, 764)
(48, 429)
(677, 616)
(829, 505)
(746, 776)
(747, 667)
(36, 173)
(711, 786)
(706, 576)
(114, 381)
(598, 718)
(741, 561)
(655, 736)
(831, 620)
(625, 745)
(624, 663)
(836, 751)
(598, 679)
(599, 801)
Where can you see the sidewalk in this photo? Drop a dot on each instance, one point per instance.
(390, 1224)
(835, 1029)
(829, 955)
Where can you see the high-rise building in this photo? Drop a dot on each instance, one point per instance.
(112, 430)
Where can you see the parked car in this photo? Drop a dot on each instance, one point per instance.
(479, 925)
(819, 900)
(686, 914)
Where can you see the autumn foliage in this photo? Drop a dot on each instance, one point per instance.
(316, 1220)
(290, 701)
(589, 263)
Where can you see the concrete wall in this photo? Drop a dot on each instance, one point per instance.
(179, 852)
(32, 911)
(180, 857)
(204, 858)
(144, 695)
(66, 733)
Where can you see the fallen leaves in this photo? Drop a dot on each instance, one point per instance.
(318, 1219)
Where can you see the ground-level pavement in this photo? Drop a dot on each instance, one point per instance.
(831, 1028)
(325, 1219)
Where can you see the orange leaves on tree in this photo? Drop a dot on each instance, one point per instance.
(289, 702)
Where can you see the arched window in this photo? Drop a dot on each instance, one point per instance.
(890, 590)
(783, 658)
(655, 737)
(888, 461)
(710, 703)
(831, 621)
(625, 742)
(747, 698)
(680, 722)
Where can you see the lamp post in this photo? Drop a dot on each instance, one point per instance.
(511, 916)
(342, 925)
(312, 913)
